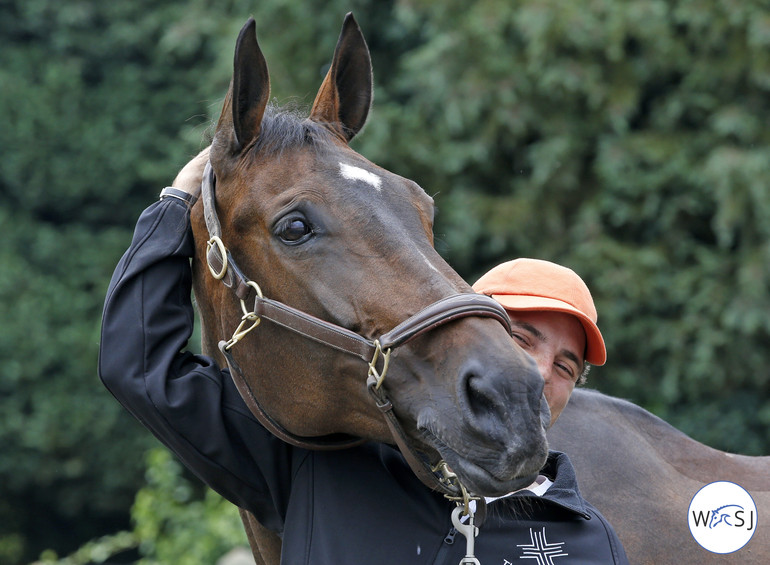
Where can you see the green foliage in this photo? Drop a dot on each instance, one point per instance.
(623, 139)
(173, 523)
(94, 551)
(94, 123)
(63, 447)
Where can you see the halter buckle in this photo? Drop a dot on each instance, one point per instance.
(217, 241)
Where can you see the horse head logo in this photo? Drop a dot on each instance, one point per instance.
(720, 516)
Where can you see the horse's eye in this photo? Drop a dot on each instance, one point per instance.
(294, 230)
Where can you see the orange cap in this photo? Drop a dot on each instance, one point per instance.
(532, 284)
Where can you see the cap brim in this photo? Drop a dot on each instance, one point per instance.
(596, 352)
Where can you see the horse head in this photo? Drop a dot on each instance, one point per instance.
(323, 230)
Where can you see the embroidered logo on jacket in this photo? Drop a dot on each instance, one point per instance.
(540, 549)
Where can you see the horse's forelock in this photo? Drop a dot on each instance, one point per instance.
(286, 127)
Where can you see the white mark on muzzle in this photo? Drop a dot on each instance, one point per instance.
(356, 173)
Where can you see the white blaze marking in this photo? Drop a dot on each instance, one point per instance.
(356, 173)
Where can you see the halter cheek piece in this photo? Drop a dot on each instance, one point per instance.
(375, 353)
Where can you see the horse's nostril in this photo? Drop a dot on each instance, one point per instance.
(482, 399)
(495, 400)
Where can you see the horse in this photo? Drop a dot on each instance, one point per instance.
(344, 323)
(642, 473)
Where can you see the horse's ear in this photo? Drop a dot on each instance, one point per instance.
(345, 95)
(249, 90)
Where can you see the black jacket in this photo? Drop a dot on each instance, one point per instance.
(357, 506)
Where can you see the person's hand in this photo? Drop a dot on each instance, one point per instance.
(189, 178)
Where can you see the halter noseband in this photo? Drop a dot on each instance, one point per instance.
(224, 268)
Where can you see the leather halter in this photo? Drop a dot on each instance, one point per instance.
(223, 266)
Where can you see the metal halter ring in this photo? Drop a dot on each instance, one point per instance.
(215, 240)
(379, 376)
(258, 290)
(449, 478)
(248, 317)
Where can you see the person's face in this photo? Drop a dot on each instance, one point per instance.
(557, 343)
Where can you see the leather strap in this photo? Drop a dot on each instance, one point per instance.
(208, 184)
(321, 443)
(419, 467)
(443, 311)
(439, 313)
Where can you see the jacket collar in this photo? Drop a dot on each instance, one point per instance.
(564, 491)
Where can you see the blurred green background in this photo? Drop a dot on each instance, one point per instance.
(627, 140)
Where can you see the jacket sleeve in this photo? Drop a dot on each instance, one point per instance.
(185, 400)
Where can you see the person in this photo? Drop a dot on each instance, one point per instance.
(361, 505)
(554, 320)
